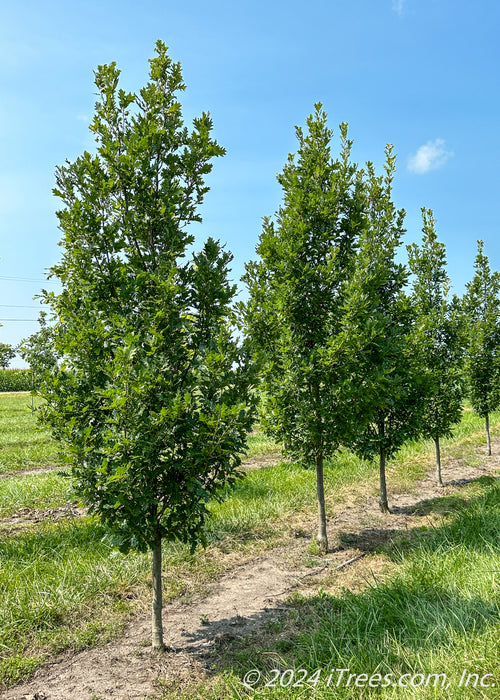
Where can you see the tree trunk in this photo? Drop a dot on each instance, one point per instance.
(488, 434)
(384, 505)
(322, 539)
(438, 461)
(157, 624)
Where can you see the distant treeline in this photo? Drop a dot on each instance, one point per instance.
(16, 380)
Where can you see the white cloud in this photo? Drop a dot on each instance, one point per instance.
(430, 156)
(398, 6)
(82, 117)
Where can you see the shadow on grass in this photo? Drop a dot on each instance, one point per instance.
(387, 629)
(445, 504)
(440, 600)
(387, 540)
(420, 610)
(468, 523)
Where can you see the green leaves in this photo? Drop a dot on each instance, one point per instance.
(296, 290)
(150, 389)
(481, 306)
(7, 353)
(378, 317)
(436, 334)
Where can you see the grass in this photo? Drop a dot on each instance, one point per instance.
(22, 444)
(436, 617)
(34, 491)
(416, 457)
(267, 502)
(50, 582)
(438, 614)
(63, 586)
(259, 445)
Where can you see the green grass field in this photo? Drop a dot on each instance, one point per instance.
(431, 630)
(437, 616)
(22, 444)
(63, 586)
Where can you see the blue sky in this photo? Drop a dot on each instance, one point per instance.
(420, 74)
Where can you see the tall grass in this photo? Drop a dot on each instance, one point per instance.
(53, 582)
(416, 457)
(259, 445)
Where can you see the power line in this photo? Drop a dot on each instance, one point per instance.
(19, 306)
(25, 279)
(34, 320)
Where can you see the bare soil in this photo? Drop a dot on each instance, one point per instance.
(24, 518)
(249, 597)
(31, 472)
(265, 461)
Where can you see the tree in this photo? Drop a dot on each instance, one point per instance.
(38, 350)
(7, 353)
(380, 317)
(151, 389)
(294, 315)
(436, 337)
(482, 312)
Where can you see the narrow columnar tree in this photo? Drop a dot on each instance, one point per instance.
(380, 316)
(482, 312)
(295, 311)
(150, 392)
(436, 336)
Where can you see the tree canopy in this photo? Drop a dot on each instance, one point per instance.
(380, 315)
(437, 337)
(482, 313)
(151, 391)
(7, 354)
(295, 313)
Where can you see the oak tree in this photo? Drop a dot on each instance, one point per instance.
(380, 314)
(436, 337)
(482, 312)
(294, 315)
(7, 354)
(38, 350)
(150, 392)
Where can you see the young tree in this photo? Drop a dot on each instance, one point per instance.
(436, 337)
(7, 353)
(380, 316)
(38, 350)
(482, 312)
(151, 389)
(295, 310)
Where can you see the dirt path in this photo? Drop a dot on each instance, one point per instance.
(260, 462)
(24, 518)
(246, 599)
(31, 472)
